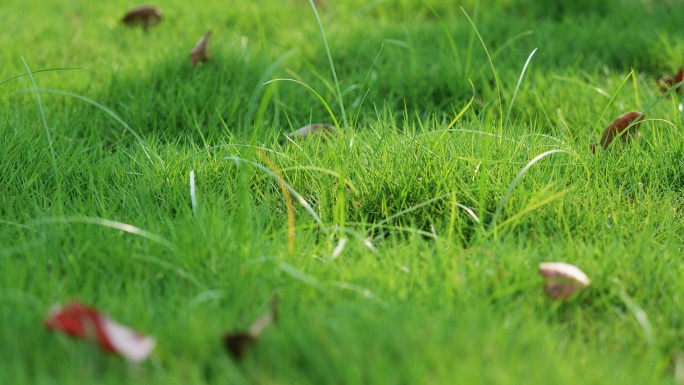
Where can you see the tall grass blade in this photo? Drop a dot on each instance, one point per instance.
(491, 64)
(517, 179)
(332, 65)
(47, 133)
(517, 86)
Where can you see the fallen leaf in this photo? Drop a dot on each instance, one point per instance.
(668, 81)
(145, 15)
(617, 126)
(239, 343)
(562, 279)
(316, 128)
(201, 51)
(86, 323)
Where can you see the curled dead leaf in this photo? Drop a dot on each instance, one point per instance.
(317, 128)
(144, 15)
(239, 343)
(201, 51)
(86, 323)
(616, 128)
(562, 279)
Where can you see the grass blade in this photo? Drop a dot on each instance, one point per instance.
(193, 197)
(491, 64)
(598, 121)
(39, 71)
(109, 112)
(125, 227)
(47, 133)
(308, 87)
(517, 179)
(332, 65)
(520, 79)
(294, 192)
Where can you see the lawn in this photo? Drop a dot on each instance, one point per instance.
(402, 249)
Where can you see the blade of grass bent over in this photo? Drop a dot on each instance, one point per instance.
(39, 71)
(308, 87)
(517, 179)
(109, 112)
(125, 227)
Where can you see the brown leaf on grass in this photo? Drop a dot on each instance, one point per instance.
(668, 81)
(617, 127)
(144, 15)
(318, 128)
(201, 51)
(87, 323)
(562, 279)
(239, 343)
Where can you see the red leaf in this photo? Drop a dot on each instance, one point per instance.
(87, 323)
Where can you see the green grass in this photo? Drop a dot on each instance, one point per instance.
(445, 215)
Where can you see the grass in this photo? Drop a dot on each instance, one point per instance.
(152, 191)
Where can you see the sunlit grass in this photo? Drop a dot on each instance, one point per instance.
(409, 250)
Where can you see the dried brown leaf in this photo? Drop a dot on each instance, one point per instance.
(201, 51)
(239, 343)
(144, 15)
(617, 127)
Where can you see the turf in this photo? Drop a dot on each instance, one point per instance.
(410, 253)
